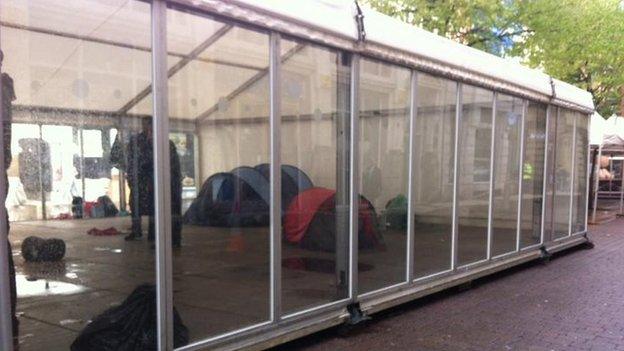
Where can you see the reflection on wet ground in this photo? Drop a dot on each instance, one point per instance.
(56, 300)
(312, 264)
(108, 249)
(29, 287)
(215, 290)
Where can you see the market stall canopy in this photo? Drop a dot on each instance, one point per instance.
(596, 129)
(614, 131)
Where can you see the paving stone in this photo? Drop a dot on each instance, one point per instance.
(576, 302)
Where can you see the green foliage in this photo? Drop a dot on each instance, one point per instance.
(483, 24)
(578, 41)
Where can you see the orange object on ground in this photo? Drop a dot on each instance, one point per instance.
(104, 232)
(237, 244)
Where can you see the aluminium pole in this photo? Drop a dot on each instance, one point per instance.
(6, 320)
(162, 178)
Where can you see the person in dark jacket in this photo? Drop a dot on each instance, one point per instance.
(8, 96)
(137, 160)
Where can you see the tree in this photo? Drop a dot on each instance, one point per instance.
(578, 41)
(488, 25)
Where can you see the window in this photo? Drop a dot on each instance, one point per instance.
(433, 174)
(474, 171)
(507, 134)
(221, 272)
(384, 170)
(315, 162)
(69, 66)
(533, 174)
(563, 172)
(579, 195)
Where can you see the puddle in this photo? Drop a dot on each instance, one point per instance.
(45, 270)
(43, 287)
(65, 322)
(23, 337)
(319, 265)
(108, 249)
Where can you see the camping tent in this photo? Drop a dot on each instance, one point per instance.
(293, 179)
(241, 197)
(228, 200)
(396, 213)
(310, 221)
(255, 180)
(293, 173)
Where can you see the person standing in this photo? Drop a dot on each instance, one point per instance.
(139, 167)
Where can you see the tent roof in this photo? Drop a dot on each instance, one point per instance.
(336, 16)
(596, 129)
(614, 131)
(95, 56)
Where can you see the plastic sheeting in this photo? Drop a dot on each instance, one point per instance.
(337, 17)
(613, 132)
(71, 39)
(596, 129)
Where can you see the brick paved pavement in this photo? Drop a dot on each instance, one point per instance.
(575, 302)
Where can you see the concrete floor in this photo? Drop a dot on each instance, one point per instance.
(221, 278)
(220, 275)
(56, 300)
(575, 302)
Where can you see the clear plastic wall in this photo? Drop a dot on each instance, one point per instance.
(434, 175)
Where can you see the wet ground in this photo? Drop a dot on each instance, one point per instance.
(220, 277)
(221, 283)
(575, 302)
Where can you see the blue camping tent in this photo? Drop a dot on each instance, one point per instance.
(241, 197)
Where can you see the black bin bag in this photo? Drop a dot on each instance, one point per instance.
(36, 249)
(130, 326)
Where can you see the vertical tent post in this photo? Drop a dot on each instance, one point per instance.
(44, 212)
(525, 106)
(275, 175)
(162, 177)
(492, 175)
(621, 212)
(342, 178)
(612, 174)
(198, 176)
(591, 162)
(572, 177)
(545, 174)
(354, 174)
(587, 181)
(596, 183)
(458, 115)
(411, 242)
(122, 176)
(6, 322)
(83, 186)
